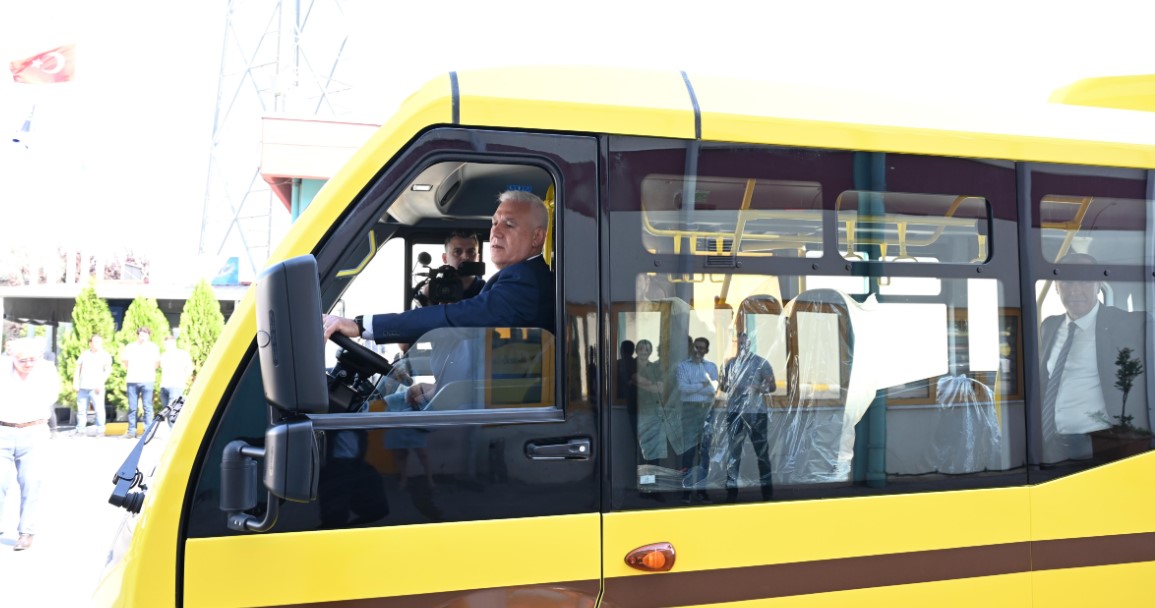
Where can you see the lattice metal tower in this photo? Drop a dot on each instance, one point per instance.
(279, 57)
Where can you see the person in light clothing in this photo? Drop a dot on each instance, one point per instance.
(697, 385)
(176, 368)
(28, 389)
(140, 360)
(92, 370)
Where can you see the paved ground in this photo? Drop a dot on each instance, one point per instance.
(76, 525)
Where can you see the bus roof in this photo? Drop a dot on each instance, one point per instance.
(659, 103)
(973, 123)
(1122, 92)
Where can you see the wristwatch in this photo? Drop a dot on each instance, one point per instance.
(360, 321)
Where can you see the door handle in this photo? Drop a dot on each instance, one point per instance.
(577, 448)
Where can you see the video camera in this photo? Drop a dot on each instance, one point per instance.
(444, 282)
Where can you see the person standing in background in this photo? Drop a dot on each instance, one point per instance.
(176, 368)
(28, 389)
(140, 360)
(1078, 365)
(92, 369)
(746, 380)
(697, 385)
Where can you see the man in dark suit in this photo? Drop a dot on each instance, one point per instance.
(1079, 369)
(521, 294)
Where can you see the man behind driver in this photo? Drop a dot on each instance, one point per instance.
(520, 294)
(460, 247)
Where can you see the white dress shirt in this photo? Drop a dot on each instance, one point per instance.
(1079, 406)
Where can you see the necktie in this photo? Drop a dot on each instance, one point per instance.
(1051, 395)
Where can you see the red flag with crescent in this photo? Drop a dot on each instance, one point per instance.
(56, 65)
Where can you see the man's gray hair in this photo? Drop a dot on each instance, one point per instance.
(540, 212)
(25, 347)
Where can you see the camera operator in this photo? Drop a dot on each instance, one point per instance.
(461, 253)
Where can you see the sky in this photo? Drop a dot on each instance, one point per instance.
(121, 154)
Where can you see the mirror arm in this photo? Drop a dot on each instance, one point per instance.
(243, 522)
(239, 466)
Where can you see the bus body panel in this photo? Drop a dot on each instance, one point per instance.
(452, 559)
(1116, 585)
(1009, 590)
(739, 553)
(1094, 536)
(1112, 499)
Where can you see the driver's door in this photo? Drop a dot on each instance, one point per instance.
(472, 512)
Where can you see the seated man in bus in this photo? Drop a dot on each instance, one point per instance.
(521, 294)
(1080, 360)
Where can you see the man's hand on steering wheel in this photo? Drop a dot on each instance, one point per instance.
(334, 324)
(343, 331)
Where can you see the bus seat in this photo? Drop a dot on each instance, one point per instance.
(824, 397)
(966, 428)
(762, 307)
(521, 369)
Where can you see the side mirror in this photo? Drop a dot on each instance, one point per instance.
(292, 469)
(290, 338)
(292, 461)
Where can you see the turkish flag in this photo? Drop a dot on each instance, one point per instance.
(56, 65)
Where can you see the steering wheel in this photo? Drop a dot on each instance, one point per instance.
(363, 358)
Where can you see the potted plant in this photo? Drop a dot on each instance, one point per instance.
(1122, 438)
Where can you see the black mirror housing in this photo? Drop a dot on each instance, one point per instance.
(290, 338)
(292, 460)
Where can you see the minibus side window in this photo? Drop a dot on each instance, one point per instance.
(1093, 294)
(752, 372)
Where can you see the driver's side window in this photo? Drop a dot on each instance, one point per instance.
(431, 248)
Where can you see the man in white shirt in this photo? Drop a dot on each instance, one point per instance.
(28, 389)
(175, 369)
(92, 370)
(697, 384)
(140, 360)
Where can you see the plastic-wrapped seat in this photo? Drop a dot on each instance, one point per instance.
(824, 398)
(966, 426)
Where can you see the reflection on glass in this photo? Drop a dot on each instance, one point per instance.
(900, 226)
(796, 377)
(475, 368)
(1093, 350)
(1112, 228)
(725, 215)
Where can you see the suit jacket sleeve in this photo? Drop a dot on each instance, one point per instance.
(515, 297)
(1117, 329)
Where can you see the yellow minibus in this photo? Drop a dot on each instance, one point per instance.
(809, 348)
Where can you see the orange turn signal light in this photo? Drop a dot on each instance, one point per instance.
(658, 557)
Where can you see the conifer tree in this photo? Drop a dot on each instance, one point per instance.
(201, 323)
(90, 316)
(142, 312)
